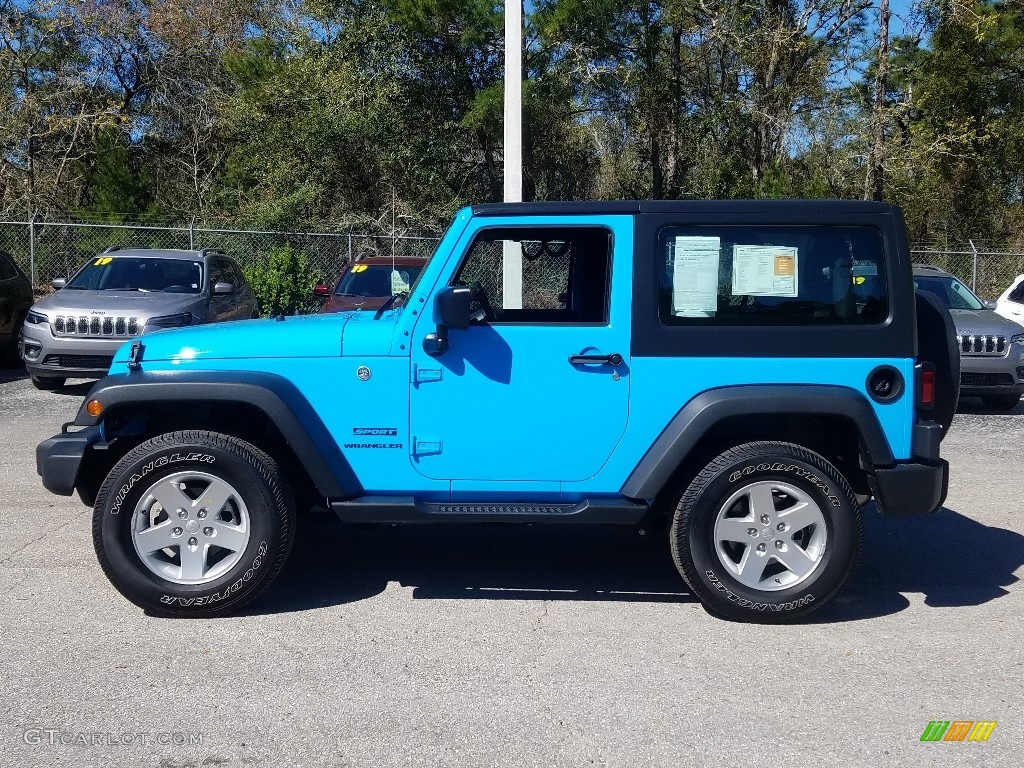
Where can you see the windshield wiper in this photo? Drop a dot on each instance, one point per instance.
(387, 304)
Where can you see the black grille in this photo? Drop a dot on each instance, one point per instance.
(80, 361)
(985, 379)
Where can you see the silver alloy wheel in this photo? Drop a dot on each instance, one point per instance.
(190, 527)
(770, 535)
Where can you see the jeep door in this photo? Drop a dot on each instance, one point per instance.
(537, 388)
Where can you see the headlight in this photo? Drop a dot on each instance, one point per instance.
(1018, 339)
(169, 321)
(36, 318)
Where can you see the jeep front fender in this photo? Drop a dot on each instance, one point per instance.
(273, 395)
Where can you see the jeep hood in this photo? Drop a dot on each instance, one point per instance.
(983, 322)
(126, 303)
(346, 333)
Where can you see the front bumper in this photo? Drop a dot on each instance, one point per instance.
(59, 458)
(69, 357)
(997, 375)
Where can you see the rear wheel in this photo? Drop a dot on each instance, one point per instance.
(1001, 402)
(193, 524)
(767, 532)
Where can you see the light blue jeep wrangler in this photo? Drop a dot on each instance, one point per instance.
(713, 365)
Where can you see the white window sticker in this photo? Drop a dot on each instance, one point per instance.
(764, 270)
(399, 282)
(695, 276)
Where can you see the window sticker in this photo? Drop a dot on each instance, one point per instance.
(103, 261)
(359, 268)
(399, 282)
(764, 270)
(695, 276)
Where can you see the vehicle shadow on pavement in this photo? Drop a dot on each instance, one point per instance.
(952, 560)
(332, 563)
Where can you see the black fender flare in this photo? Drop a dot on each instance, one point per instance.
(700, 416)
(275, 396)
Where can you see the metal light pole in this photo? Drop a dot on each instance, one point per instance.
(512, 252)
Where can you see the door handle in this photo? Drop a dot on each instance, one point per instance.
(614, 359)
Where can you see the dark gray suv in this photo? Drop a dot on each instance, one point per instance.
(123, 293)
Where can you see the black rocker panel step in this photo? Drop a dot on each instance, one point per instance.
(405, 509)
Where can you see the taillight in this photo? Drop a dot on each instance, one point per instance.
(926, 386)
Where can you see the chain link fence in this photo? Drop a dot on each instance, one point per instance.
(987, 272)
(47, 249)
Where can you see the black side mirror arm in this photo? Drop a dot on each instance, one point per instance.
(436, 344)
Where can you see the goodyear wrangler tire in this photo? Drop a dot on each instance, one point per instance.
(767, 532)
(193, 524)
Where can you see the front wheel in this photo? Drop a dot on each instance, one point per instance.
(193, 524)
(767, 532)
(1001, 402)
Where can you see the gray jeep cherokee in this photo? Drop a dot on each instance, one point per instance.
(120, 294)
(991, 347)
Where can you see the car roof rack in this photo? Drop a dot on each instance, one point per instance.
(929, 267)
(218, 251)
(112, 248)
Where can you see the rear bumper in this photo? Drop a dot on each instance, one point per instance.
(59, 458)
(917, 486)
(912, 488)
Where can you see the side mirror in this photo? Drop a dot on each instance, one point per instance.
(451, 307)
(322, 291)
(59, 282)
(222, 289)
(989, 304)
(451, 310)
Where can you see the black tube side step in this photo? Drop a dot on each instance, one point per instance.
(406, 509)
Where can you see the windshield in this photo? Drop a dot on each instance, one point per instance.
(952, 293)
(376, 280)
(124, 273)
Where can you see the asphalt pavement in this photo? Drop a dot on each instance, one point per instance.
(513, 646)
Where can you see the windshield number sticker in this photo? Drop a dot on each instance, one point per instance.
(103, 261)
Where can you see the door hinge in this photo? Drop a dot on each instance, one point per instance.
(421, 374)
(424, 446)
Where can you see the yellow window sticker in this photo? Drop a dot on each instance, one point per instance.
(359, 268)
(103, 260)
(859, 280)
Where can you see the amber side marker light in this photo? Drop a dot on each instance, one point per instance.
(94, 407)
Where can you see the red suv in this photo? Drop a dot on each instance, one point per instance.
(370, 281)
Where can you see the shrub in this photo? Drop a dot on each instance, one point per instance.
(283, 284)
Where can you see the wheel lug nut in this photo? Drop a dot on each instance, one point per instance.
(182, 513)
(202, 513)
(193, 541)
(751, 531)
(176, 532)
(765, 519)
(207, 531)
(761, 547)
(779, 545)
(781, 527)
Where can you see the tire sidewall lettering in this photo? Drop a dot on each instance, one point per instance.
(794, 469)
(743, 602)
(220, 595)
(157, 463)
